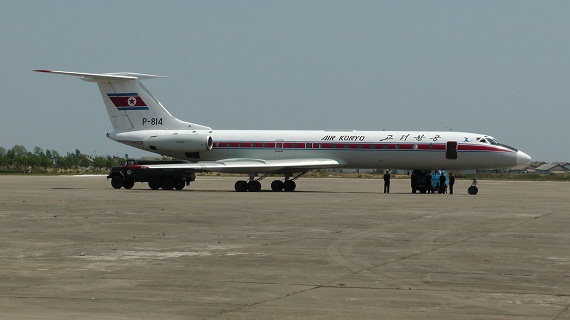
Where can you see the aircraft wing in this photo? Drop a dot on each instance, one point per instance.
(244, 165)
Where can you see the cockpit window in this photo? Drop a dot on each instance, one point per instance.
(489, 140)
(493, 141)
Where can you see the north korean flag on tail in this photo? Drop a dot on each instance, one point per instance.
(127, 101)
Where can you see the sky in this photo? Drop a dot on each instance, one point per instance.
(500, 68)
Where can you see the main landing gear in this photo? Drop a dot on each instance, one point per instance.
(287, 185)
(243, 186)
(254, 185)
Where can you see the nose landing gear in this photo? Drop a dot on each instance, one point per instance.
(472, 190)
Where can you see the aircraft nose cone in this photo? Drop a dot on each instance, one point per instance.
(522, 158)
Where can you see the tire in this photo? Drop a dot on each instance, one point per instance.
(277, 185)
(128, 184)
(154, 182)
(240, 186)
(472, 190)
(289, 185)
(117, 182)
(254, 186)
(180, 185)
(167, 183)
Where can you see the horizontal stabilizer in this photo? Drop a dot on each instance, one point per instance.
(94, 77)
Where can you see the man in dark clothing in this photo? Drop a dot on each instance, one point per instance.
(442, 183)
(451, 183)
(387, 182)
(428, 183)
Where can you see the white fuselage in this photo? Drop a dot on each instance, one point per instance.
(352, 149)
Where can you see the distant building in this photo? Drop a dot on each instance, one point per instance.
(526, 168)
(555, 167)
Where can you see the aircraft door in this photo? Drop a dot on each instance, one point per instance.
(279, 145)
(451, 150)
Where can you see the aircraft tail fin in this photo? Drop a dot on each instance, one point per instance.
(129, 104)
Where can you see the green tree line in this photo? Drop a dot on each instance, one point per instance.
(20, 160)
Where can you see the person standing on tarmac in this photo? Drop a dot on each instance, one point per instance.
(451, 182)
(442, 183)
(428, 183)
(387, 182)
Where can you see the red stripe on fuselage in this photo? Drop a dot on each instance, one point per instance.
(474, 147)
(357, 146)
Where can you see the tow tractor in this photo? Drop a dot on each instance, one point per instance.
(135, 171)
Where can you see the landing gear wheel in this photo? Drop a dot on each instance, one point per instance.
(128, 184)
(289, 185)
(154, 182)
(241, 186)
(180, 185)
(254, 186)
(277, 185)
(167, 183)
(473, 189)
(117, 182)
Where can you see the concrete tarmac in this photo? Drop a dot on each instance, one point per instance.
(74, 248)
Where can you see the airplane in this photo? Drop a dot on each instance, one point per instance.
(139, 120)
